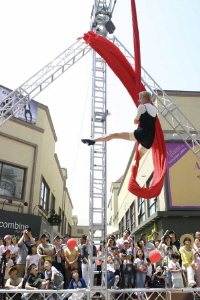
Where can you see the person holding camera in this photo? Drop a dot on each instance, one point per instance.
(24, 243)
(158, 280)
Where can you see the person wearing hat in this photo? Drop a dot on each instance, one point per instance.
(187, 256)
(14, 282)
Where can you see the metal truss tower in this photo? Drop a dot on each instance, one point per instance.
(100, 23)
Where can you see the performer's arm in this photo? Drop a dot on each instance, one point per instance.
(140, 110)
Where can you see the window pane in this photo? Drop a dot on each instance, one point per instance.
(12, 180)
(44, 200)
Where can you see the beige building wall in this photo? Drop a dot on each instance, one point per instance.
(189, 103)
(32, 147)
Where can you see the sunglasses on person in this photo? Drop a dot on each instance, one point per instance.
(189, 240)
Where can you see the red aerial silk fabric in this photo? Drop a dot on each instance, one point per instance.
(132, 82)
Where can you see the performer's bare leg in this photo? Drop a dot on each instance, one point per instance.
(108, 137)
(120, 135)
(111, 136)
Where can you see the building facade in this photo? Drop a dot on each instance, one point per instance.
(178, 206)
(32, 182)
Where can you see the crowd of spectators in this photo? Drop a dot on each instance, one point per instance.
(36, 263)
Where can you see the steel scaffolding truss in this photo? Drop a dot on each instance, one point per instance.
(42, 79)
(177, 120)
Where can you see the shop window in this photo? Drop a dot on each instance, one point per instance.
(53, 202)
(152, 203)
(11, 181)
(44, 197)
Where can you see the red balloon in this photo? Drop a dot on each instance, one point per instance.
(71, 243)
(154, 256)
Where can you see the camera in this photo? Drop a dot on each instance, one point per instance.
(29, 229)
(159, 274)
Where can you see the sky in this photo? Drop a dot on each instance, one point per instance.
(33, 33)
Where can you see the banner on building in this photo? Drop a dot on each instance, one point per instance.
(183, 176)
(27, 113)
(13, 223)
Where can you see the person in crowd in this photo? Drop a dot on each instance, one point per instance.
(54, 278)
(9, 263)
(158, 279)
(71, 262)
(187, 256)
(37, 242)
(97, 277)
(174, 240)
(150, 271)
(82, 242)
(161, 261)
(58, 255)
(76, 283)
(176, 271)
(197, 235)
(131, 239)
(111, 242)
(147, 244)
(36, 281)
(24, 243)
(32, 258)
(126, 256)
(167, 260)
(6, 244)
(14, 282)
(120, 242)
(1, 242)
(48, 237)
(196, 250)
(112, 279)
(66, 238)
(15, 250)
(154, 237)
(84, 256)
(166, 242)
(45, 249)
(141, 245)
(140, 265)
(117, 262)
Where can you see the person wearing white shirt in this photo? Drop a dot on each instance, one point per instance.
(176, 271)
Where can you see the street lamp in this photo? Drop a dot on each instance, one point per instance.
(9, 201)
(39, 206)
(22, 203)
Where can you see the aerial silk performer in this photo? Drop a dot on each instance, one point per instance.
(149, 133)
